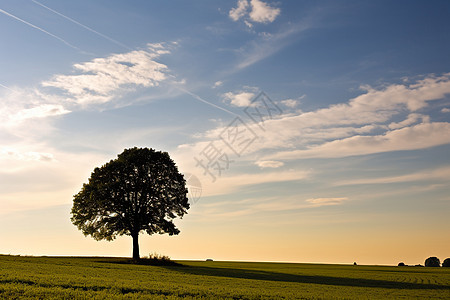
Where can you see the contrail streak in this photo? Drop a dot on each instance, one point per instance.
(125, 46)
(105, 37)
(8, 88)
(42, 30)
(206, 102)
(84, 26)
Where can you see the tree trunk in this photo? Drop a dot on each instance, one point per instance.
(135, 246)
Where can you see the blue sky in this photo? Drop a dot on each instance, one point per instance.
(349, 163)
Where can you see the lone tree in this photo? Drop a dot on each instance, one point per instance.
(432, 262)
(446, 263)
(140, 190)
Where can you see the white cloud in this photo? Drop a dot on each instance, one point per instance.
(377, 106)
(20, 107)
(249, 25)
(10, 153)
(217, 84)
(361, 126)
(101, 79)
(290, 103)
(42, 111)
(158, 49)
(445, 110)
(360, 116)
(421, 136)
(269, 164)
(412, 119)
(239, 11)
(316, 202)
(263, 13)
(240, 99)
(260, 12)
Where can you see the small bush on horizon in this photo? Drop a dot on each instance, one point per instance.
(156, 256)
(156, 259)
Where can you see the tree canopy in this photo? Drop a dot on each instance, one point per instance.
(140, 190)
(446, 263)
(432, 262)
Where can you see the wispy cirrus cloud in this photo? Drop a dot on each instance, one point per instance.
(440, 174)
(102, 79)
(27, 114)
(98, 81)
(11, 153)
(317, 202)
(21, 105)
(411, 119)
(347, 129)
(273, 164)
(231, 183)
(41, 111)
(254, 206)
(363, 125)
(420, 136)
(294, 203)
(269, 44)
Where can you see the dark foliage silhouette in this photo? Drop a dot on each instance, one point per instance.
(446, 263)
(401, 264)
(140, 190)
(432, 262)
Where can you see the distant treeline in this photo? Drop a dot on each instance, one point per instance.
(432, 261)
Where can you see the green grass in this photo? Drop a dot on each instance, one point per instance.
(110, 278)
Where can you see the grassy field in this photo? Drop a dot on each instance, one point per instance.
(108, 278)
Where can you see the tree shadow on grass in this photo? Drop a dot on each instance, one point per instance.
(314, 279)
